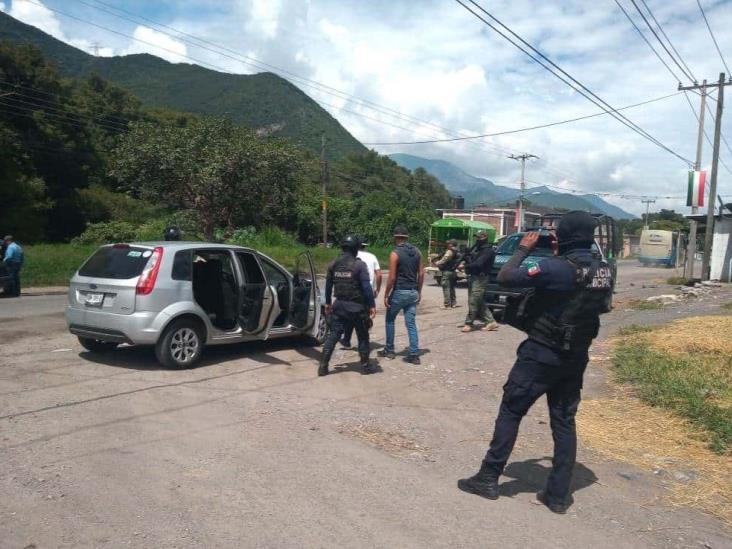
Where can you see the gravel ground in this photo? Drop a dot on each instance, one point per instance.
(253, 450)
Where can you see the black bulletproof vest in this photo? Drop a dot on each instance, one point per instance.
(345, 282)
(407, 267)
(571, 320)
(450, 265)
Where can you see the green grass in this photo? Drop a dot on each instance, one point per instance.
(695, 386)
(643, 305)
(632, 329)
(727, 306)
(53, 264)
(677, 281)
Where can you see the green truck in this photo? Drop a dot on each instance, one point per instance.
(449, 228)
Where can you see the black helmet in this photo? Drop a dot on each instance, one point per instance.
(576, 227)
(351, 242)
(172, 233)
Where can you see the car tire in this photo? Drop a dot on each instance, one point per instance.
(181, 345)
(97, 346)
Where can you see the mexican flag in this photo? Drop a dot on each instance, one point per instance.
(695, 191)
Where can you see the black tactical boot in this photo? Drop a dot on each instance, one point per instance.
(323, 368)
(484, 483)
(557, 507)
(368, 368)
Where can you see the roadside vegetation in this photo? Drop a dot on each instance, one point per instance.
(677, 281)
(684, 367)
(671, 413)
(643, 305)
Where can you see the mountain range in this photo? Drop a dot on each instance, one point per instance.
(478, 190)
(263, 101)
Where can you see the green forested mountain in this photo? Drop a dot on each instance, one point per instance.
(478, 190)
(262, 101)
(82, 155)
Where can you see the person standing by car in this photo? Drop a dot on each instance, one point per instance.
(403, 292)
(372, 264)
(478, 267)
(348, 281)
(570, 292)
(13, 260)
(447, 265)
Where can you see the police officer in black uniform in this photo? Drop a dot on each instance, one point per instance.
(348, 281)
(569, 291)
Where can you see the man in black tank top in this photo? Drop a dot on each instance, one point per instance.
(403, 292)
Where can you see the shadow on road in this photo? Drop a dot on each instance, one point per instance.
(143, 357)
(530, 476)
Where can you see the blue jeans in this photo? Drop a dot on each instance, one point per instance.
(406, 300)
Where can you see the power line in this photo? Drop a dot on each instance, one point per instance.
(587, 93)
(261, 65)
(507, 132)
(648, 9)
(663, 45)
(716, 45)
(643, 36)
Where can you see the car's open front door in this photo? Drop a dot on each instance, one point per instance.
(305, 293)
(258, 305)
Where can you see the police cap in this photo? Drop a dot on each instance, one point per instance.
(576, 226)
(401, 230)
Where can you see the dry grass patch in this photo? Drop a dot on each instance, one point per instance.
(699, 334)
(393, 443)
(625, 429)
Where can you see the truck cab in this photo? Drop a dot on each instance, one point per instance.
(462, 230)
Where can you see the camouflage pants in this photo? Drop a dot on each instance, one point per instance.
(477, 310)
(449, 279)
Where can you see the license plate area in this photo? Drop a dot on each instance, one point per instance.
(93, 299)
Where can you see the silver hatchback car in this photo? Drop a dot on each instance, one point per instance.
(182, 296)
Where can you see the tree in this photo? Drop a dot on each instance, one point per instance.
(223, 173)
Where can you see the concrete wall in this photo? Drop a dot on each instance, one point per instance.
(721, 250)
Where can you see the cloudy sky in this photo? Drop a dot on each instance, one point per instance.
(432, 60)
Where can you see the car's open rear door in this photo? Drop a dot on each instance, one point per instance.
(258, 305)
(304, 293)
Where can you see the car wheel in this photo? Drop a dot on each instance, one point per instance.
(97, 346)
(181, 345)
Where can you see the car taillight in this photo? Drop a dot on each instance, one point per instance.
(146, 283)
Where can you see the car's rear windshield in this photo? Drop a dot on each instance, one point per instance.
(119, 262)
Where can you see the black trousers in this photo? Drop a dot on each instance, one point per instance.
(338, 323)
(541, 370)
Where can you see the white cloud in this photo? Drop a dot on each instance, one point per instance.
(157, 43)
(37, 15)
(2, 6)
(265, 16)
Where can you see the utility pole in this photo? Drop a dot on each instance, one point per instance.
(323, 189)
(691, 244)
(522, 158)
(648, 204)
(709, 232)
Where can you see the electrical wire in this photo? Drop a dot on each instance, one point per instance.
(508, 132)
(663, 45)
(663, 32)
(643, 36)
(714, 39)
(584, 91)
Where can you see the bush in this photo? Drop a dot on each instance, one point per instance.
(109, 231)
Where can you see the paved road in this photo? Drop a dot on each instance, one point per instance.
(253, 450)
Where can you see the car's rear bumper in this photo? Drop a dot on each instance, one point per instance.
(141, 328)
